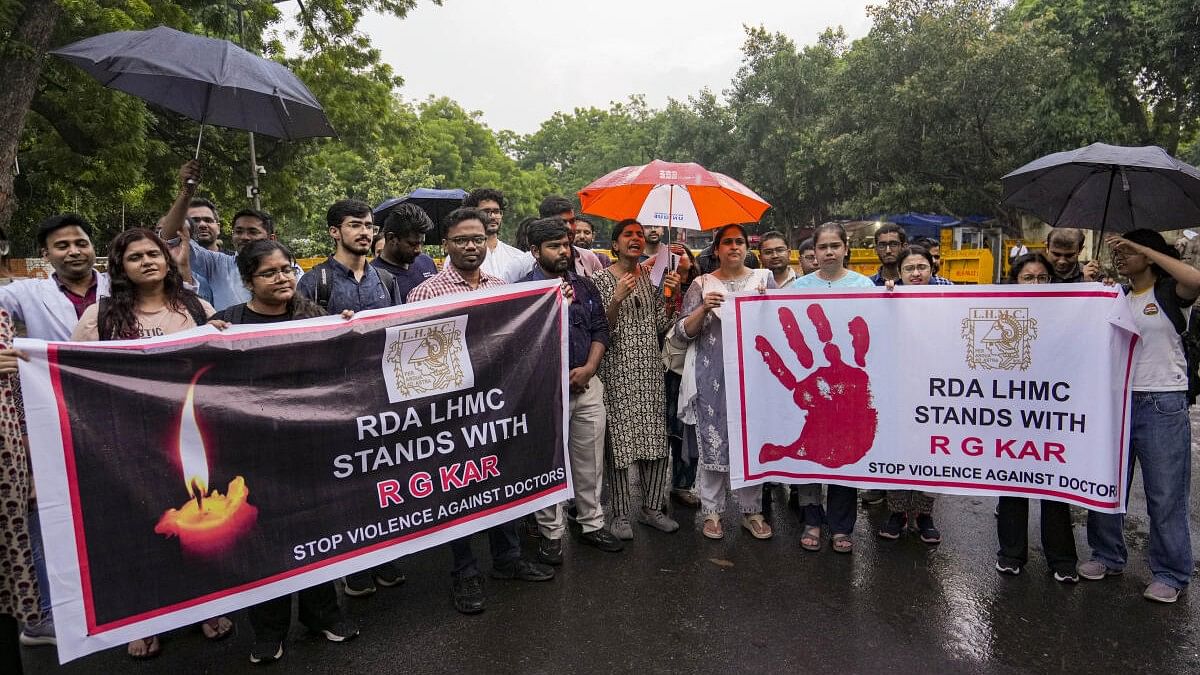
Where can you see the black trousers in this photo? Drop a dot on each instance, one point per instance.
(505, 544)
(1058, 540)
(318, 609)
(842, 511)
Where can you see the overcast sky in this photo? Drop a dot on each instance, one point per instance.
(519, 61)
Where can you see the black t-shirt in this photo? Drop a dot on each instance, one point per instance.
(248, 315)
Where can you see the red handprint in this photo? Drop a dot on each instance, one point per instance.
(840, 425)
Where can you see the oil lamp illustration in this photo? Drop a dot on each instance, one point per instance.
(208, 523)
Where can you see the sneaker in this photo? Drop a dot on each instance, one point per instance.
(622, 529)
(342, 630)
(550, 551)
(266, 652)
(468, 594)
(524, 570)
(388, 575)
(872, 497)
(1160, 592)
(603, 540)
(658, 520)
(359, 584)
(926, 529)
(39, 634)
(1066, 576)
(894, 526)
(1010, 568)
(1096, 570)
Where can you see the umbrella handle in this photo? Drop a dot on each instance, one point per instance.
(192, 181)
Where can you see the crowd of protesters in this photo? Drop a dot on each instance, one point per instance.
(647, 389)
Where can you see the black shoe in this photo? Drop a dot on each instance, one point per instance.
(550, 551)
(894, 526)
(925, 528)
(388, 575)
(603, 540)
(872, 497)
(525, 570)
(793, 498)
(266, 652)
(359, 584)
(468, 594)
(342, 630)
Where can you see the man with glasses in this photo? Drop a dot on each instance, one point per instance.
(808, 257)
(776, 256)
(403, 235)
(935, 251)
(586, 262)
(345, 280)
(466, 245)
(888, 241)
(507, 262)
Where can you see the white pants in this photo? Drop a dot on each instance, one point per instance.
(714, 493)
(585, 446)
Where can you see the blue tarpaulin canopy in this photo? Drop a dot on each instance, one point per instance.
(917, 225)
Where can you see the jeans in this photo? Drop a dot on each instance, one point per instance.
(39, 560)
(505, 544)
(1160, 439)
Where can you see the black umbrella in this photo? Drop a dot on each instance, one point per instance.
(1110, 188)
(437, 203)
(211, 81)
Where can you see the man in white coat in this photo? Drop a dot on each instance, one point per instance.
(51, 307)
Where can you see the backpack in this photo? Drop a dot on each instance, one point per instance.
(191, 302)
(325, 286)
(1189, 334)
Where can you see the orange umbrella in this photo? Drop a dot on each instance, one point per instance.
(672, 194)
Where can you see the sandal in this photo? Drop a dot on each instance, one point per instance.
(811, 539)
(841, 543)
(148, 648)
(757, 525)
(217, 628)
(712, 527)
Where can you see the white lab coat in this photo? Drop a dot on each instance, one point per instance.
(47, 313)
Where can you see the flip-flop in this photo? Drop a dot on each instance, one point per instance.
(153, 648)
(841, 543)
(716, 531)
(217, 628)
(811, 535)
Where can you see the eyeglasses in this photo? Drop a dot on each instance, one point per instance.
(202, 219)
(270, 275)
(1034, 278)
(888, 244)
(909, 269)
(492, 212)
(732, 241)
(782, 250)
(478, 240)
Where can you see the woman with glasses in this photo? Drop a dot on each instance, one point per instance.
(912, 509)
(147, 299)
(1012, 514)
(841, 501)
(704, 395)
(266, 269)
(634, 388)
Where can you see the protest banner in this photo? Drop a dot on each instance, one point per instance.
(1017, 390)
(187, 476)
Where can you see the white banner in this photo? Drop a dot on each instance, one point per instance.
(982, 390)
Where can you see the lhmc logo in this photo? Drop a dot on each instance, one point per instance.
(424, 359)
(999, 338)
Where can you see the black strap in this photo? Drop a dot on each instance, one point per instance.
(389, 283)
(103, 331)
(191, 302)
(325, 287)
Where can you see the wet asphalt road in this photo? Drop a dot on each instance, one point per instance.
(680, 603)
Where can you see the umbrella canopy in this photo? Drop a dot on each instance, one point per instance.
(674, 195)
(211, 81)
(436, 203)
(1110, 188)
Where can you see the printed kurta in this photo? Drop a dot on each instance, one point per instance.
(18, 584)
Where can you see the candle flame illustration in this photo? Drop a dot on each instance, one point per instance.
(191, 444)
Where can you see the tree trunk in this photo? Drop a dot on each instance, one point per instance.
(20, 65)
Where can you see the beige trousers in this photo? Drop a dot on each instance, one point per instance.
(585, 447)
